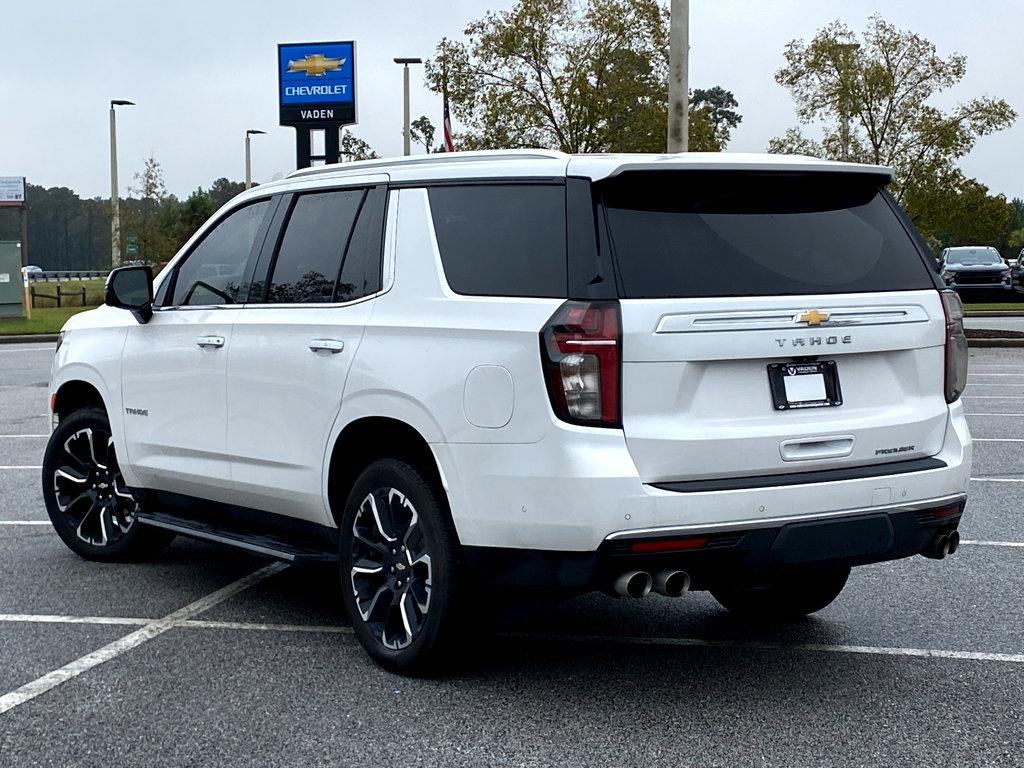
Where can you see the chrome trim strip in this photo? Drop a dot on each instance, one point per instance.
(764, 523)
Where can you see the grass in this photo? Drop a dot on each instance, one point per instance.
(45, 320)
(987, 306)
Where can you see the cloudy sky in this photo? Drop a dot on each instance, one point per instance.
(202, 72)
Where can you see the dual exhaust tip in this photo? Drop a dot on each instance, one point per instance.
(637, 584)
(943, 545)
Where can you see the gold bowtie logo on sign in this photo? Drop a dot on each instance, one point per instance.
(812, 317)
(314, 64)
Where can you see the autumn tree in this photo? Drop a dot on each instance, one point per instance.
(870, 96)
(572, 75)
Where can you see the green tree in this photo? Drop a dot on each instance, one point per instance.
(573, 75)
(354, 148)
(421, 130)
(870, 97)
(222, 190)
(959, 211)
(151, 215)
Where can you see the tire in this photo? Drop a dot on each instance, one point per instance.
(88, 504)
(401, 569)
(786, 598)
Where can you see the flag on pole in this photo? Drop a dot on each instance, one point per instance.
(449, 146)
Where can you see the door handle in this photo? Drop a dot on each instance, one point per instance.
(210, 341)
(333, 346)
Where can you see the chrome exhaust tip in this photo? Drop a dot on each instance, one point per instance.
(671, 583)
(633, 584)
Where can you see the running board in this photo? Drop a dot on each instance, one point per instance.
(261, 543)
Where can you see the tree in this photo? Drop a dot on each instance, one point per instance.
(712, 118)
(957, 210)
(222, 190)
(882, 82)
(355, 148)
(573, 75)
(422, 132)
(153, 216)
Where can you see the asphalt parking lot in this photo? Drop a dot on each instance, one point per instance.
(211, 657)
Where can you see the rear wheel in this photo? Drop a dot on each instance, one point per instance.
(401, 573)
(791, 596)
(86, 498)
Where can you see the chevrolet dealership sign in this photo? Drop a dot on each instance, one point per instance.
(316, 83)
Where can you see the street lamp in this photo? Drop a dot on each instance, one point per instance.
(845, 106)
(406, 133)
(248, 156)
(115, 212)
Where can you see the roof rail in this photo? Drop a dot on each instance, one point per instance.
(432, 159)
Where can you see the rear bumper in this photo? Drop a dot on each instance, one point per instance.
(742, 552)
(579, 487)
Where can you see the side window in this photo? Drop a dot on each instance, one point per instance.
(214, 272)
(502, 240)
(309, 256)
(361, 273)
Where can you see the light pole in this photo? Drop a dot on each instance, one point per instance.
(406, 133)
(248, 156)
(115, 208)
(845, 106)
(678, 77)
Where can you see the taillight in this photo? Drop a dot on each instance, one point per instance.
(956, 346)
(580, 350)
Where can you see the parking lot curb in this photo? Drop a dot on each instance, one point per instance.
(27, 338)
(994, 314)
(997, 342)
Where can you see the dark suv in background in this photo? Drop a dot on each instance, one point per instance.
(975, 270)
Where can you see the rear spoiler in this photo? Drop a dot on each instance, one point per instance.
(597, 167)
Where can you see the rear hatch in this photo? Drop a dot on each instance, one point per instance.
(772, 323)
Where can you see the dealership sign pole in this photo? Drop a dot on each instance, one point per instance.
(316, 86)
(12, 195)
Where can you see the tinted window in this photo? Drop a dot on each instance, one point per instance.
(502, 240)
(361, 272)
(309, 257)
(214, 272)
(735, 234)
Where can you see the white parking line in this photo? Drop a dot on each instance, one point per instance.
(38, 435)
(894, 651)
(997, 397)
(998, 480)
(990, 414)
(24, 523)
(150, 630)
(21, 467)
(16, 348)
(217, 624)
(997, 440)
(989, 543)
(63, 619)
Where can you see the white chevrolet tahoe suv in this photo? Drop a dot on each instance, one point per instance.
(476, 371)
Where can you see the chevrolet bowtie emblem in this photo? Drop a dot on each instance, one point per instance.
(812, 317)
(314, 64)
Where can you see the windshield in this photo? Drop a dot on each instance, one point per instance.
(973, 256)
(694, 234)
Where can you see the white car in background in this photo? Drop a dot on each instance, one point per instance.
(467, 372)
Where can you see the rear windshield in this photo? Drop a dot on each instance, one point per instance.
(693, 234)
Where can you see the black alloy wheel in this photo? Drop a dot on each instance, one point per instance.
(90, 507)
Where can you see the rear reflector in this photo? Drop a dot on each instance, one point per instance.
(947, 512)
(668, 545)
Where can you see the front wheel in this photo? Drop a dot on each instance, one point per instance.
(786, 597)
(91, 509)
(400, 567)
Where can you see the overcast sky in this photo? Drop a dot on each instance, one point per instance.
(203, 72)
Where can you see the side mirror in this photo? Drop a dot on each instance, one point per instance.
(131, 288)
